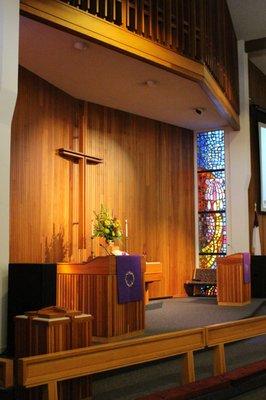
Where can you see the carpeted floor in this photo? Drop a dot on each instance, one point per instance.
(257, 394)
(175, 314)
(184, 313)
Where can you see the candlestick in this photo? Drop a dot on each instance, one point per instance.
(92, 237)
(92, 229)
(92, 250)
(126, 228)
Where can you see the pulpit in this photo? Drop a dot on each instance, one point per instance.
(92, 287)
(233, 280)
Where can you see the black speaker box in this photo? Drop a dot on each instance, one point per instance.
(258, 276)
(30, 287)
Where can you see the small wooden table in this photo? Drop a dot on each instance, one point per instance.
(153, 273)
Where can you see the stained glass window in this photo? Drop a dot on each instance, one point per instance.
(211, 197)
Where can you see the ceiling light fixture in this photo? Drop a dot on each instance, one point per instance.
(82, 46)
(150, 83)
(199, 110)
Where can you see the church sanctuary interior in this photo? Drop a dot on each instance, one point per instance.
(133, 199)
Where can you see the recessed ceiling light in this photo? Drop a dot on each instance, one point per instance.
(80, 46)
(199, 110)
(150, 83)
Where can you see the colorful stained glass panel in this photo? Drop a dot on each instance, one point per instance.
(211, 197)
(211, 191)
(210, 150)
(212, 233)
(208, 261)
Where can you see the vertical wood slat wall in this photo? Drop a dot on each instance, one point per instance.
(146, 178)
(198, 29)
(257, 94)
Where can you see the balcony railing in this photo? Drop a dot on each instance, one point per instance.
(198, 29)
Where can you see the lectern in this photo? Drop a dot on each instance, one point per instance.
(233, 280)
(92, 288)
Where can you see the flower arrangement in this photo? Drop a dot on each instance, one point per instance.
(106, 226)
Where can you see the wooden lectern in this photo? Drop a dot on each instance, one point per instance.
(233, 280)
(92, 288)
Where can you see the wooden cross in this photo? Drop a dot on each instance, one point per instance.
(82, 160)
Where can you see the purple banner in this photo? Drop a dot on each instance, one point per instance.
(129, 284)
(246, 267)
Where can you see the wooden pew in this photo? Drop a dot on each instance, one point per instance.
(50, 368)
(219, 334)
(6, 372)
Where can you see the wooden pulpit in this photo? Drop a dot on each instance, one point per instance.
(92, 288)
(233, 280)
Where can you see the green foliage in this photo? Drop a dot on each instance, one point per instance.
(106, 226)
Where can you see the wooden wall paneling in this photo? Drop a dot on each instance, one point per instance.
(39, 177)
(146, 178)
(142, 158)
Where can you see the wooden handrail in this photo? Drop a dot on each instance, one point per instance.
(44, 369)
(219, 334)
(235, 330)
(50, 368)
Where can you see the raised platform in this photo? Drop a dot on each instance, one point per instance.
(192, 312)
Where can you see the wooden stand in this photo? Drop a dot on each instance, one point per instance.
(40, 335)
(153, 274)
(92, 288)
(46, 332)
(231, 288)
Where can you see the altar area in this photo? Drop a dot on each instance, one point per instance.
(91, 287)
(168, 327)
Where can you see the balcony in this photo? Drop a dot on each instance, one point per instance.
(194, 39)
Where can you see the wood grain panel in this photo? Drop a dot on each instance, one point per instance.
(40, 186)
(146, 178)
(6, 372)
(257, 93)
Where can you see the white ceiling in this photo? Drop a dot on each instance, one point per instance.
(106, 77)
(249, 19)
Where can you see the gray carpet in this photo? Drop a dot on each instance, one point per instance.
(175, 314)
(184, 313)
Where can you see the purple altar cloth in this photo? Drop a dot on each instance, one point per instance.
(246, 267)
(129, 285)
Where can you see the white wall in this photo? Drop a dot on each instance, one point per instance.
(238, 166)
(9, 32)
